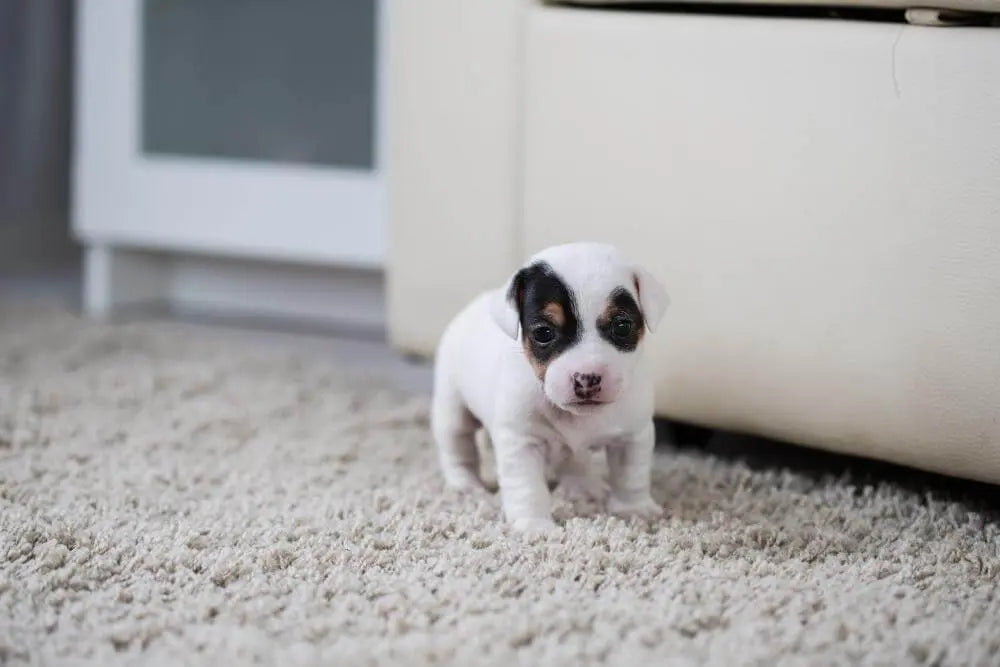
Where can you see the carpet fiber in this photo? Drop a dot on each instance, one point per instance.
(179, 494)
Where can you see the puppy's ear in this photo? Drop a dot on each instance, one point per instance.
(505, 305)
(653, 299)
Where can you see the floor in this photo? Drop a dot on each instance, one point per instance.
(372, 353)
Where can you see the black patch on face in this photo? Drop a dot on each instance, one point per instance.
(621, 323)
(548, 315)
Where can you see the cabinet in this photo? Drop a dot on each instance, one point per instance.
(241, 135)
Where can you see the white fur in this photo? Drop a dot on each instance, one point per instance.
(482, 378)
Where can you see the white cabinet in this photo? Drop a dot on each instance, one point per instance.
(248, 133)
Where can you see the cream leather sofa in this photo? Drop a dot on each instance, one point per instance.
(821, 198)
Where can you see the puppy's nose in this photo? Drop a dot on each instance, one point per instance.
(586, 385)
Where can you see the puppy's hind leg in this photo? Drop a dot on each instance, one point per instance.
(454, 429)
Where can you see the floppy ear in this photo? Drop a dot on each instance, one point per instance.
(505, 304)
(653, 299)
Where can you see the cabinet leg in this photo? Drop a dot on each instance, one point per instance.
(113, 277)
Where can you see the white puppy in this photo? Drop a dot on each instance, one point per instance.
(551, 366)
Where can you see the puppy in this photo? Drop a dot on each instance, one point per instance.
(551, 366)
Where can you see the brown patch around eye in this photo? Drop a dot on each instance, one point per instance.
(537, 364)
(552, 313)
(621, 306)
(548, 319)
(608, 314)
(555, 314)
(640, 330)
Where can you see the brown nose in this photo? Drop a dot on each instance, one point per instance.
(586, 385)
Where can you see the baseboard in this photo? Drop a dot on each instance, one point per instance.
(309, 296)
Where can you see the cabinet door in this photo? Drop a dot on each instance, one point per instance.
(242, 127)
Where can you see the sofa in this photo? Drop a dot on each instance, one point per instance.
(819, 191)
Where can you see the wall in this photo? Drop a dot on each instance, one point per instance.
(35, 118)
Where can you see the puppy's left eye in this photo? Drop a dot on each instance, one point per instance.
(621, 327)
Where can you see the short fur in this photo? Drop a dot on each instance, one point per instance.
(551, 366)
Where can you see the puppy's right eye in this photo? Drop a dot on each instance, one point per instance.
(543, 335)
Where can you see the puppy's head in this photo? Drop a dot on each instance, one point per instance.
(582, 312)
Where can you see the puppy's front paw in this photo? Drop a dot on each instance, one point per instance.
(534, 525)
(644, 508)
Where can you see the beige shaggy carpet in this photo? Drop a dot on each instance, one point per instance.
(181, 494)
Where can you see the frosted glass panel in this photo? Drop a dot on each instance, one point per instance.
(276, 80)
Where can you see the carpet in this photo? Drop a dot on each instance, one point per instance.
(180, 494)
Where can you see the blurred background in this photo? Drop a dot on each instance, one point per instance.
(194, 155)
(36, 106)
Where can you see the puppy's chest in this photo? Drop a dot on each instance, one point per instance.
(580, 435)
